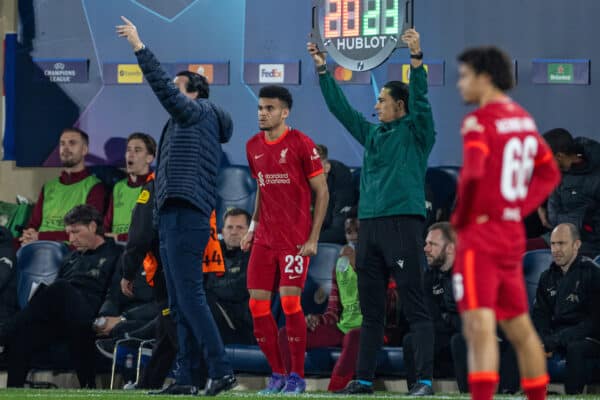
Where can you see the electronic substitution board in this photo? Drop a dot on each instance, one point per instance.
(360, 34)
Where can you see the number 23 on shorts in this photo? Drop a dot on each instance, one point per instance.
(295, 266)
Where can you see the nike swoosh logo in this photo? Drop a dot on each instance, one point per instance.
(294, 277)
(256, 157)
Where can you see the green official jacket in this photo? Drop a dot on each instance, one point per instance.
(392, 179)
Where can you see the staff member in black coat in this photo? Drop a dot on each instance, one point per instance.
(577, 199)
(66, 309)
(440, 251)
(565, 312)
(227, 293)
(186, 174)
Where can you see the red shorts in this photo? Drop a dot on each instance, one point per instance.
(482, 280)
(269, 269)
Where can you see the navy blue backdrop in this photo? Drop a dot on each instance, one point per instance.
(276, 31)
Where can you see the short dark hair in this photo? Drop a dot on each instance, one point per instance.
(276, 92)
(234, 212)
(560, 140)
(323, 151)
(84, 136)
(196, 83)
(492, 61)
(148, 140)
(85, 214)
(399, 91)
(446, 229)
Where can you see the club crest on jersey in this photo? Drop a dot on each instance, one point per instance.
(471, 124)
(282, 156)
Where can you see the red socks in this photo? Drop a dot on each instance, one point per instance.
(295, 326)
(482, 384)
(265, 331)
(535, 388)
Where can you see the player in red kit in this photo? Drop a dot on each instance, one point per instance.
(508, 171)
(283, 235)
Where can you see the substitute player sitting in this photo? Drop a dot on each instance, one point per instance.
(508, 171)
(287, 166)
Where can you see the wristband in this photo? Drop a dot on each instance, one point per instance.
(321, 69)
(418, 56)
(252, 226)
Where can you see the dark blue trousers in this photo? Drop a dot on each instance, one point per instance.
(183, 233)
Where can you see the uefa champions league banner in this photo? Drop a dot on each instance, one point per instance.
(61, 70)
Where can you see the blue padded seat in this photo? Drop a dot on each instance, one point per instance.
(318, 282)
(534, 263)
(441, 183)
(235, 189)
(37, 262)
(40, 262)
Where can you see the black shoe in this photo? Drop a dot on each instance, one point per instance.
(420, 389)
(355, 387)
(175, 389)
(216, 386)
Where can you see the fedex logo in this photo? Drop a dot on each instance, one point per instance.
(271, 73)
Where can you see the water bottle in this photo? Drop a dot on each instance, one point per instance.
(129, 361)
(343, 262)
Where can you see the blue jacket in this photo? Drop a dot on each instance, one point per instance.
(189, 150)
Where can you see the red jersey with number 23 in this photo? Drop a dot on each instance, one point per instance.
(282, 169)
(508, 171)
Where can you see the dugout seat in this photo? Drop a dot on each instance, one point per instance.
(37, 262)
(441, 183)
(534, 263)
(235, 188)
(315, 297)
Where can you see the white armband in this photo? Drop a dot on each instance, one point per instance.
(253, 225)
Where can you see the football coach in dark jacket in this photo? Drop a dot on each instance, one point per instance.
(185, 186)
(565, 312)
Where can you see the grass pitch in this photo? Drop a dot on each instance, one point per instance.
(73, 394)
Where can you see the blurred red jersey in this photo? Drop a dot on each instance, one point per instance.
(282, 170)
(508, 171)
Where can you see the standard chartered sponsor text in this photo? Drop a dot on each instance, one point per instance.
(275, 179)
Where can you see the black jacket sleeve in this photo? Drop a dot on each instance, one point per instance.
(542, 310)
(111, 305)
(586, 327)
(142, 312)
(142, 235)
